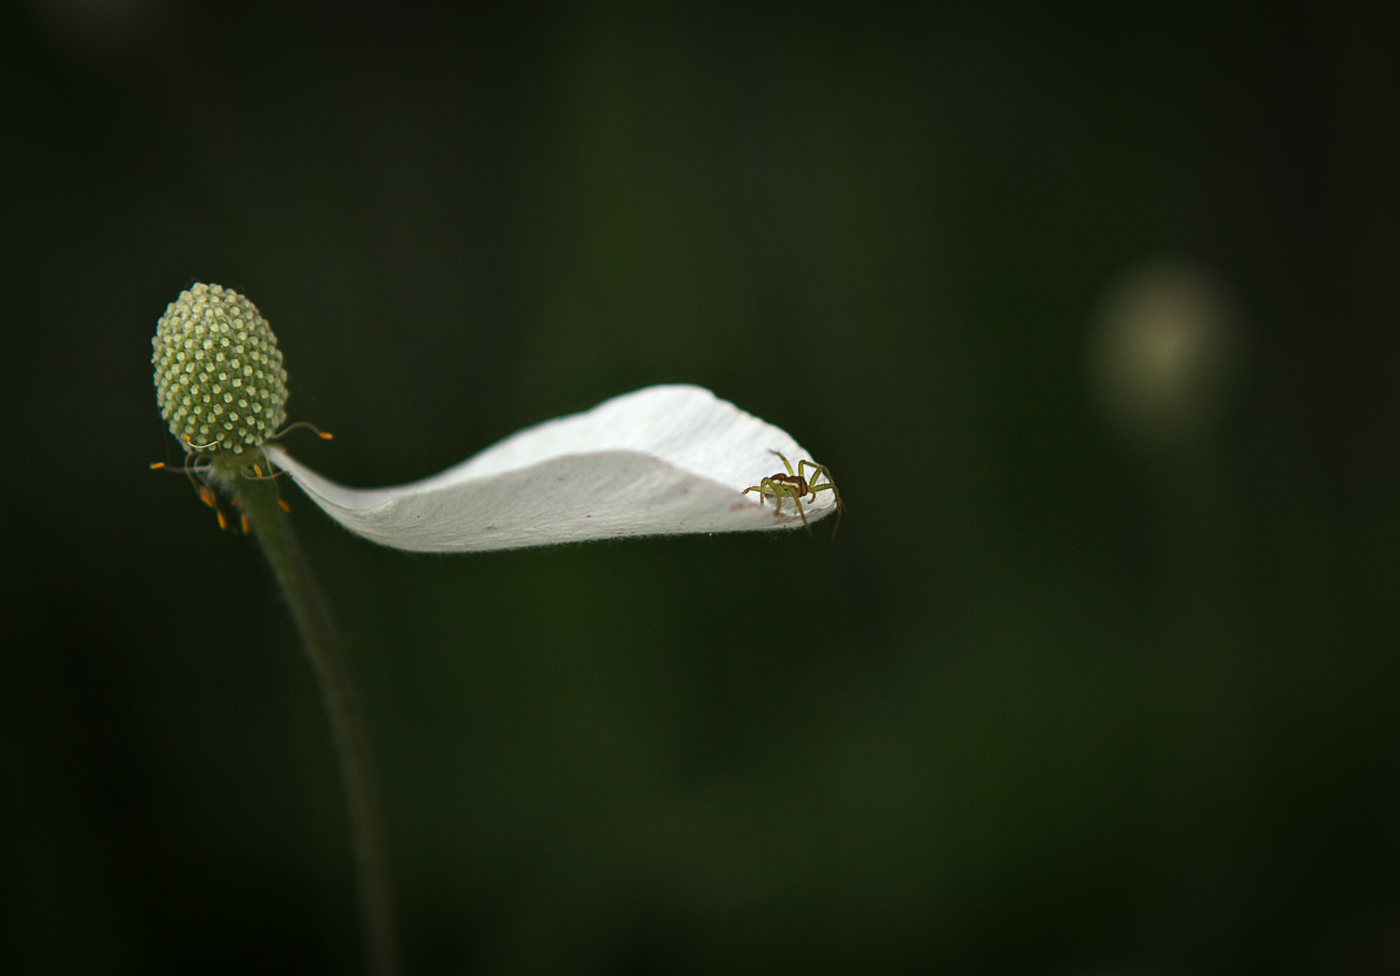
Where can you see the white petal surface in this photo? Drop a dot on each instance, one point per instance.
(663, 460)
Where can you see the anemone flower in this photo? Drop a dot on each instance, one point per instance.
(664, 460)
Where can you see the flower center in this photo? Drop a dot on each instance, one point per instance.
(218, 372)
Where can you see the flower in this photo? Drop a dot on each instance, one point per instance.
(664, 460)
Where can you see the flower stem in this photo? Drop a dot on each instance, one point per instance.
(257, 499)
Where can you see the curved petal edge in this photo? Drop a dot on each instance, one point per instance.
(663, 460)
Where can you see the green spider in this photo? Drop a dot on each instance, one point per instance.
(794, 485)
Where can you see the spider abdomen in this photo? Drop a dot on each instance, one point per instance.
(796, 480)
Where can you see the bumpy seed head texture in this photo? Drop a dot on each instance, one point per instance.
(219, 377)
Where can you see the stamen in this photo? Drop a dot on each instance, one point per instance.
(324, 435)
(192, 446)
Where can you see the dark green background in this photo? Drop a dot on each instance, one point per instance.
(1053, 702)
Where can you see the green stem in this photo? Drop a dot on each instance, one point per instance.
(258, 500)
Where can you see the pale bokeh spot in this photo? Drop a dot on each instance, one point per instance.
(1165, 352)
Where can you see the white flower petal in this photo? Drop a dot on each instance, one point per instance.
(663, 460)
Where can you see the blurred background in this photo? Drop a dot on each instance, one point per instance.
(1091, 312)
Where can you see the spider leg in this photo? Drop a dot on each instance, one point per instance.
(840, 508)
(798, 502)
(818, 470)
(822, 470)
(780, 491)
(813, 489)
(785, 461)
(768, 487)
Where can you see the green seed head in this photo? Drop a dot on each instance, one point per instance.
(219, 377)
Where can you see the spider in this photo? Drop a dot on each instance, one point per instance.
(794, 485)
